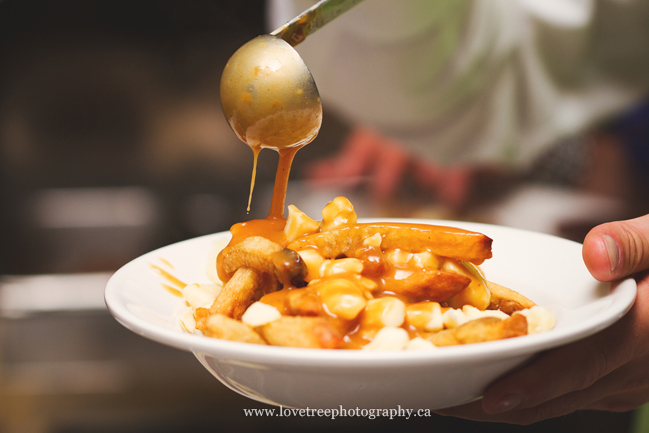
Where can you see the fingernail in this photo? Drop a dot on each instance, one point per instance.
(508, 402)
(613, 252)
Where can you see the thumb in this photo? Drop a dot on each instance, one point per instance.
(615, 250)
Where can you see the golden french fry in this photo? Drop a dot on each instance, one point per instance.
(500, 330)
(225, 328)
(301, 302)
(254, 252)
(299, 331)
(267, 257)
(237, 294)
(201, 315)
(443, 338)
(444, 241)
(428, 284)
(481, 330)
(507, 300)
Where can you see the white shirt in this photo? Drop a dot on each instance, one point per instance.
(478, 81)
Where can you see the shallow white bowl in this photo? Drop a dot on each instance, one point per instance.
(547, 269)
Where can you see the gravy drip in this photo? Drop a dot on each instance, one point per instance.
(271, 227)
(255, 155)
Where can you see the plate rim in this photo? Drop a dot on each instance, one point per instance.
(623, 294)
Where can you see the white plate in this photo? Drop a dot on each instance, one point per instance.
(547, 269)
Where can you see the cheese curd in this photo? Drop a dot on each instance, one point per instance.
(388, 339)
(419, 343)
(539, 319)
(201, 295)
(453, 318)
(259, 314)
(338, 212)
(298, 224)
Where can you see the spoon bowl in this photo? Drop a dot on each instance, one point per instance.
(269, 97)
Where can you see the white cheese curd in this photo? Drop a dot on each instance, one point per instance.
(453, 318)
(187, 321)
(539, 319)
(201, 295)
(436, 322)
(373, 241)
(419, 343)
(388, 338)
(259, 314)
(473, 313)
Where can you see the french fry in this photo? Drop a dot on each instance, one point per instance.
(481, 330)
(502, 329)
(237, 294)
(301, 302)
(507, 300)
(267, 257)
(201, 315)
(254, 252)
(444, 241)
(225, 328)
(305, 332)
(432, 285)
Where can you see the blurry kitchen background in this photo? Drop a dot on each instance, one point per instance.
(112, 143)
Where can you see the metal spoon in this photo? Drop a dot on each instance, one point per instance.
(268, 94)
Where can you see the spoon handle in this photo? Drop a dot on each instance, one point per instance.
(297, 29)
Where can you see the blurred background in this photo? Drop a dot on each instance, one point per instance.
(112, 143)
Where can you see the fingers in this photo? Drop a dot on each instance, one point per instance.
(615, 250)
(390, 167)
(606, 371)
(474, 411)
(358, 155)
(621, 402)
(364, 153)
(558, 407)
(451, 185)
(563, 370)
(387, 163)
(455, 189)
(354, 161)
(427, 174)
(628, 388)
(620, 391)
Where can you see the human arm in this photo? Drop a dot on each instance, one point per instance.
(383, 164)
